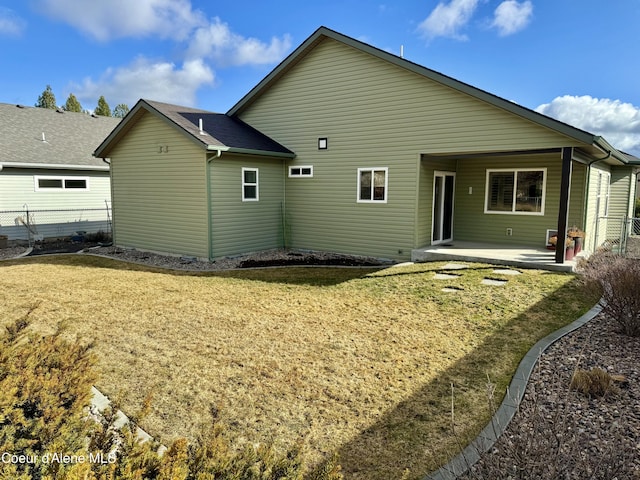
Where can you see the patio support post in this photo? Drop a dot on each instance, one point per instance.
(563, 211)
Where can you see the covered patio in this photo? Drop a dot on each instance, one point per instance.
(510, 255)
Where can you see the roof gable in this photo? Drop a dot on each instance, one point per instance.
(594, 146)
(211, 131)
(45, 138)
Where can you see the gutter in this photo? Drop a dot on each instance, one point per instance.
(48, 166)
(248, 151)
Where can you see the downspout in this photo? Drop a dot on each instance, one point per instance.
(586, 193)
(209, 209)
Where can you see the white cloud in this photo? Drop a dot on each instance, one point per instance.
(10, 23)
(512, 16)
(108, 19)
(218, 42)
(446, 20)
(144, 79)
(618, 122)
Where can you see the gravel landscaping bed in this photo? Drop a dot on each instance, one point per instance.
(268, 258)
(562, 434)
(12, 252)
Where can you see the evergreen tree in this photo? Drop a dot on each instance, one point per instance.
(47, 99)
(103, 108)
(121, 110)
(72, 105)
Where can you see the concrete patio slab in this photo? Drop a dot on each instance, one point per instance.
(518, 256)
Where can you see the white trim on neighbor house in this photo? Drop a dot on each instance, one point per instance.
(248, 185)
(302, 171)
(53, 166)
(372, 188)
(54, 183)
(513, 211)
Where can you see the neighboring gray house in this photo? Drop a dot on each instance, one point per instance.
(46, 163)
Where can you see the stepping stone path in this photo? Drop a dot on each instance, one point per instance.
(506, 271)
(494, 282)
(487, 281)
(445, 276)
(454, 266)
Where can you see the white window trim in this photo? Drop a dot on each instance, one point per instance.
(386, 184)
(300, 175)
(515, 187)
(38, 188)
(246, 184)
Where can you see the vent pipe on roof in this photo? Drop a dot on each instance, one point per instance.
(43, 138)
(401, 51)
(200, 127)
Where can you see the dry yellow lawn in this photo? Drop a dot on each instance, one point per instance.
(352, 360)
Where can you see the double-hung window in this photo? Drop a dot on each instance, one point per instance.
(516, 191)
(372, 185)
(250, 191)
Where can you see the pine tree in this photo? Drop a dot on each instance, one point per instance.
(47, 99)
(121, 110)
(103, 108)
(72, 105)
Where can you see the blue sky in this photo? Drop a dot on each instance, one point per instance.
(576, 60)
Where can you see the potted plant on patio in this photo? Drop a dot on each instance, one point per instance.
(577, 236)
(569, 248)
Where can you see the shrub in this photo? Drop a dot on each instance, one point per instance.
(616, 279)
(45, 389)
(594, 383)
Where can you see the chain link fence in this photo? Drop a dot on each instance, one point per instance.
(632, 244)
(22, 226)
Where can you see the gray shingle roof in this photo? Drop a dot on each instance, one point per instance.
(69, 138)
(219, 131)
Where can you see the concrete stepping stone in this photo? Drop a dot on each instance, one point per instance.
(454, 266)
(493, 281)
(445, 276)
(452, 290)
(506, 271)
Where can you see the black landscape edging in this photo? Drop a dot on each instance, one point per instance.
(505, 413)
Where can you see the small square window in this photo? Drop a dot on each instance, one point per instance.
(250, 185)
(323, 143)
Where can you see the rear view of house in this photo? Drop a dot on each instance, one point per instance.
(363, 153)
(47, 169)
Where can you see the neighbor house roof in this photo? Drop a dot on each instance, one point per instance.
(33, 137)
(218, 131)
(595, 146)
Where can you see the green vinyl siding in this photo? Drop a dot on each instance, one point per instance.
(245, 226)
(159, 199)
(374, 114)
(620, 198)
